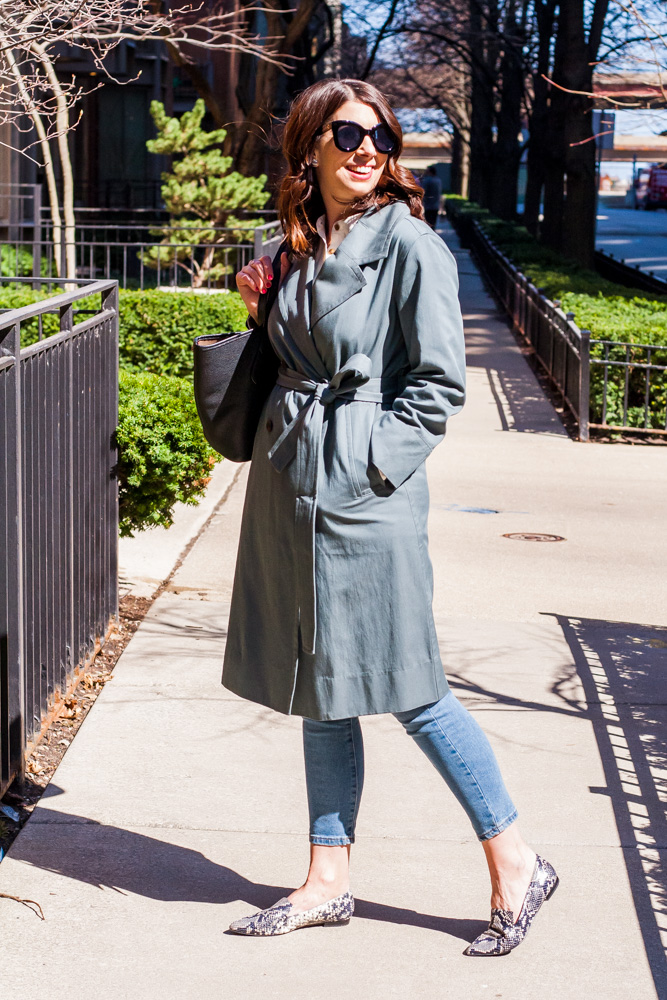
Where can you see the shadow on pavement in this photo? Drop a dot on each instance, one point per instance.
(129, 862)
(623, 669)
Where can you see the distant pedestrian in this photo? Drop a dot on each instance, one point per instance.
(331, 613)
(432, 194)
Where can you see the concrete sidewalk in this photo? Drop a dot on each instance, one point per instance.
(180, 807)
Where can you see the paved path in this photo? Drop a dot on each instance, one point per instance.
(179, 807)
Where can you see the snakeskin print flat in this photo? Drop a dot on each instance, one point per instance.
(281, 917)
(503, 935)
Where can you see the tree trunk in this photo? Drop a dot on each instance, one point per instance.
(574, 214)
(44, 146)
(249, 144)
(481, 111)
(538, 128)
(507, 146)
(579, 222)
(62, 125)
(460, 175)
(551, 230)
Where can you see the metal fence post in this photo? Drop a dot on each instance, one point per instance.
(110, 300)
(584, 384)
(63, 253)
(14, 681)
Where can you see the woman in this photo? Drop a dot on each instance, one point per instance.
(331, 611)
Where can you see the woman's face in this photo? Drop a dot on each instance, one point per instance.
(345, 177)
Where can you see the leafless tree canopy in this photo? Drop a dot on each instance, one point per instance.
(34, 32)
(515, 78)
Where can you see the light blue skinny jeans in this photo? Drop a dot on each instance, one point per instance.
(451, 739)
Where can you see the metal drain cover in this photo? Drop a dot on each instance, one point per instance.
(534, 536)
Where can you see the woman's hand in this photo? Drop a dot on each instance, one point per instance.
(255, 279)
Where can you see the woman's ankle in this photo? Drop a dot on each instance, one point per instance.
(335, 883)
(315, 892)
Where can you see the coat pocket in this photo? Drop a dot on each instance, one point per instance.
(365, 479)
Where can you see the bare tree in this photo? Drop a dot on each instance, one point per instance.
(35, 33)
(525, 67)
(596, 37)
(303, 32)
(468, 59)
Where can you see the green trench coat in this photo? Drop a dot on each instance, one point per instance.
(331, 610)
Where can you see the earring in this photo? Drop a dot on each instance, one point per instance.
(314, 162)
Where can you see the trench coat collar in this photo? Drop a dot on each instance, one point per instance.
(341, 276)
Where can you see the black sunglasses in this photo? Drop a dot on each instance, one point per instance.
(348, 136)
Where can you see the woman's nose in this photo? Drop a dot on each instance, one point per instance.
(367, 146)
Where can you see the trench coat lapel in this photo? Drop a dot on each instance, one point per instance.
(341, 276)
(294, 307)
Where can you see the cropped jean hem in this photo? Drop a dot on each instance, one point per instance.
(499, 827)
(333, 841)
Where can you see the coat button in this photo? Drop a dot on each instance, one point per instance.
(269, 425)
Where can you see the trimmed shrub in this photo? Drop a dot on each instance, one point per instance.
(157, 328)
(608, 310)
(163, 455)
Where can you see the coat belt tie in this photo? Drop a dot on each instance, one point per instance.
(302, 439)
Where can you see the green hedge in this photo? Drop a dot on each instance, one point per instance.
(163, 455)
(609, 311)
(16, 296)
(156, 328)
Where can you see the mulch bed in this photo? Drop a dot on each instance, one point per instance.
(23, 795)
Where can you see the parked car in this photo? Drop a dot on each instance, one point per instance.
(651, 187)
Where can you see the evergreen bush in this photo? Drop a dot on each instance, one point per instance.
(17, 261)
(163, 455)
(203, 197)
(157, 328)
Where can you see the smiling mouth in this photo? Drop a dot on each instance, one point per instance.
(361, 172)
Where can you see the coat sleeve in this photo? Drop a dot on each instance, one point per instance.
(430, 318)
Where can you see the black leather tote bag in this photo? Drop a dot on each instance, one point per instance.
(234, 374)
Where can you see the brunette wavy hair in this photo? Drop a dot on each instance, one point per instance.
(299, 199)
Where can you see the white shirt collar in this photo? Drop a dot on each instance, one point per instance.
(338, 233)
(339, 230)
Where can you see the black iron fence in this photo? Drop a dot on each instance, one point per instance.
(607, 385)
(134, 256)
(629, 387)
(58, 506)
